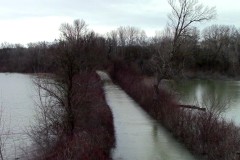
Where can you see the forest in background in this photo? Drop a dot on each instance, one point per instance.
(215, 49)
(180, 50)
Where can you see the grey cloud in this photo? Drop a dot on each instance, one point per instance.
(100, 14)
(92, 8)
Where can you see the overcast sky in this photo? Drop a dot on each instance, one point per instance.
(39, 20)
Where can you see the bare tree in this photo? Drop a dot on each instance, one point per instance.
(51, 116)
(169, 61)
(2, 144)
(220, 43)
(161, 59)
(126, 42)
(73, 33)
(184, 14)
(112, 42)
(130, 36)
(4, 133)
(216, 37)
(57, 95)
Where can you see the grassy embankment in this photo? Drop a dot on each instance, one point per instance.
(203, 133)
(93, 135)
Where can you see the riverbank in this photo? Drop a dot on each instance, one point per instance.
(203, 133)
(93, 135)
(138, 136)
(209, 75)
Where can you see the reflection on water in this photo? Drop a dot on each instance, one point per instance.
(16, 91)
(138, 137)
(197, 90)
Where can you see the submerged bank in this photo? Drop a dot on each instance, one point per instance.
(209, 75)
(203, 133)
(138, 136)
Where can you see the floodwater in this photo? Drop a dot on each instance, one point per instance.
(199, 91)
(17, 113)
(138, 136)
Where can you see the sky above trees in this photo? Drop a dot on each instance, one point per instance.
(31, 20)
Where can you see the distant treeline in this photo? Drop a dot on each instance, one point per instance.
(42, 56)
(215, 49)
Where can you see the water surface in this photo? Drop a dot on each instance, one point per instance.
(17, 109)
(192, 91)
(138, 136)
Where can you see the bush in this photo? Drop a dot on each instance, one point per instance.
(203, 133)
(93, 134)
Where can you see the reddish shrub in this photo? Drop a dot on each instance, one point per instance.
(94, 131)
(203, 133)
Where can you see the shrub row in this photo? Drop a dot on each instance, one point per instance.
(94, 131)
(205, 134)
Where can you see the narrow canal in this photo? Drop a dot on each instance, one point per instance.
(138, 136)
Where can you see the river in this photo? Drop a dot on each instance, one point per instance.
(138, 136)
(17, 112)
(197, 91)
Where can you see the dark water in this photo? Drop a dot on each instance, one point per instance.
(197, 91)
(139, 137)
